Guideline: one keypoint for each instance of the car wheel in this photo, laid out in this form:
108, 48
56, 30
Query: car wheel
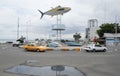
38, 50
93, 50
13, 45
87, 50
26, 49
104, 50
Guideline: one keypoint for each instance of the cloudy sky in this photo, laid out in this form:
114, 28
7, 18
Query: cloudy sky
75, 21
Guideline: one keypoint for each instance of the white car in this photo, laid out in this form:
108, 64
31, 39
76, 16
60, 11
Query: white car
95, 48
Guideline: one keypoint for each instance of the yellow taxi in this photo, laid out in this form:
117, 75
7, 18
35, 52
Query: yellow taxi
34, 47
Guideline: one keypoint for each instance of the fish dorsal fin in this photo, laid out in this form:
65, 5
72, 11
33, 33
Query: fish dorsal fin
58, 6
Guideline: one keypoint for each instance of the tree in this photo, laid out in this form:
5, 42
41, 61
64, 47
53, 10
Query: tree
108, 28
76, 36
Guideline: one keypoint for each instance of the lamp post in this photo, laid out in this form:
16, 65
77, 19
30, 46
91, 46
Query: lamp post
18, 29
116, 33
116, 29
27, 23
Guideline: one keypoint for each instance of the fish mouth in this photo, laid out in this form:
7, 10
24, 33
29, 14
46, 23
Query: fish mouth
68, 8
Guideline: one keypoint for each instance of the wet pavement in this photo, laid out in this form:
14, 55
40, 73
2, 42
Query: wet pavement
90, 64
56, 70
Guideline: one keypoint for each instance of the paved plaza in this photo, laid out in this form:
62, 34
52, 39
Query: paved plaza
91, 64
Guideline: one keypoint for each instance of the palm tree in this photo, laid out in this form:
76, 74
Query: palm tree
77, 36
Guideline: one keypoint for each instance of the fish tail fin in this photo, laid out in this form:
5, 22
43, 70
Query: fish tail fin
41, 14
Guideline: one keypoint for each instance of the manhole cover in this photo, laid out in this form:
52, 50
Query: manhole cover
56, 70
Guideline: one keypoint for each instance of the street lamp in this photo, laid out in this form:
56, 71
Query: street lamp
27, 23
18, 29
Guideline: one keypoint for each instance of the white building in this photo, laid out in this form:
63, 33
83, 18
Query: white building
91, 31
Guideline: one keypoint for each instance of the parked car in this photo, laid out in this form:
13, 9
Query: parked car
53, 44
62, 46
16, 44
95, 48
72, 44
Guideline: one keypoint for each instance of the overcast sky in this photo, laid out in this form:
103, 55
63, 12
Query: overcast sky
75, 21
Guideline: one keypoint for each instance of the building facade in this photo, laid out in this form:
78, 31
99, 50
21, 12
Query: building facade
91, 30
111, 38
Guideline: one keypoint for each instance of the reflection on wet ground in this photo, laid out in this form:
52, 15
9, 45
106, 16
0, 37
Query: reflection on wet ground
56, 70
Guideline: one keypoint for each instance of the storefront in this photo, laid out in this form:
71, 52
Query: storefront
111, 39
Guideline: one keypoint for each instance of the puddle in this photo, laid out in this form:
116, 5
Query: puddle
56, 70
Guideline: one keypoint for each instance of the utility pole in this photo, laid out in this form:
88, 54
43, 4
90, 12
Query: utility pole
27, 23
115, 24
18, 29
116, 33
